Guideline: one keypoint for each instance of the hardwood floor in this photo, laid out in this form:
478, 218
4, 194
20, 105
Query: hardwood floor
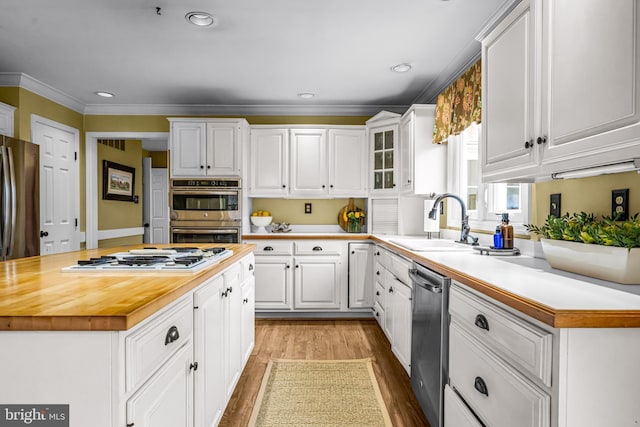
325, 339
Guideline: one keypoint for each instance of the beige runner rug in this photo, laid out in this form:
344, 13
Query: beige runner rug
304, 393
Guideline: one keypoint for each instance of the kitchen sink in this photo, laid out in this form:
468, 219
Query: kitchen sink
431, 245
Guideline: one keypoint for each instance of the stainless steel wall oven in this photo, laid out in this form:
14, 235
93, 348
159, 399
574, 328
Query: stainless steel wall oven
206, 210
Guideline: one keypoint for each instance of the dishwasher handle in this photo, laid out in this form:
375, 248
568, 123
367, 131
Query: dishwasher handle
413, 273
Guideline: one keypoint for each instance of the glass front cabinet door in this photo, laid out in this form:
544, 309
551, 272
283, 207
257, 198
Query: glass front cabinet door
384, 170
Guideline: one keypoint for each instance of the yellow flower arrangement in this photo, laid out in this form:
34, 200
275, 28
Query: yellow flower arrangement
354, 220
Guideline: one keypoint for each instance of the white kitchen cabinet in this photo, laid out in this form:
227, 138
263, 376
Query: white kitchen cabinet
361, 283
316, 162
317, 282
6, 119
210, 147
269, 162
399, 307
383, 145
509, 77
457, 413
210, 386
301, 275
247, 325
560, 89
348, 162
231, 327
308, 167
165, 400
422, 163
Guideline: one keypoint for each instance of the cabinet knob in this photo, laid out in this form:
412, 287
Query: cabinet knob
201, 166
353, 252
284, 186
528, 144
480, 386
297, 266
208, 167
250, 267
287, 266
172, 335
324, 186
481, 322
378, 293
541, 140
391, 290
246, 300
193, 366
377, 273
378, 253
331, 186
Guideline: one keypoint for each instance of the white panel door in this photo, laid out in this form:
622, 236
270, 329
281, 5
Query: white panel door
223, 157
317, 282
58, 186
348, 162
159, 206
269, 162
273, 283
309, 163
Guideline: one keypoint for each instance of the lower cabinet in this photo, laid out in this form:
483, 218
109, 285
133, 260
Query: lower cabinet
247, 324
392, 302
457, 413
361, 283
305, 275
165, 400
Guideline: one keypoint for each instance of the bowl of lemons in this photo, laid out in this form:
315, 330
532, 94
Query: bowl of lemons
261, 218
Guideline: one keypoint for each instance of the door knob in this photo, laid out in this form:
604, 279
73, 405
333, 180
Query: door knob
44, 233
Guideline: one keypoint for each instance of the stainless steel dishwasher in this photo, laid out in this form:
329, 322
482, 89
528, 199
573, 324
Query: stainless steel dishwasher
430, 340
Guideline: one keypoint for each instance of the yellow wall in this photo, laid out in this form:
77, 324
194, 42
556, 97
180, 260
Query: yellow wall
591, 195
291, 211
120, 241
114, 214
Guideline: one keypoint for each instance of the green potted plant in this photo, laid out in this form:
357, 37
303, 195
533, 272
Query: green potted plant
603, 248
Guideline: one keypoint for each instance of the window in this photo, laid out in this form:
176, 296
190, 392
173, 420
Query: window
485, 202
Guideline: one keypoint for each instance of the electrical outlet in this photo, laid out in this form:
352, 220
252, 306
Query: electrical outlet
620, 204
554, 205
307, 208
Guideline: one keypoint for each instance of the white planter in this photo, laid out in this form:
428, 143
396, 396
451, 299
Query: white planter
611, 263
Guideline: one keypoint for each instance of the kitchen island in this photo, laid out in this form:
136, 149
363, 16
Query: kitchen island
143, 348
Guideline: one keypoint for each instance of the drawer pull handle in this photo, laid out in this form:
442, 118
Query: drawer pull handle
245, 301
250, 267
391, 290
317, 248
268, 248
377, 293
481, 322
193, 366
172, 335
481, 386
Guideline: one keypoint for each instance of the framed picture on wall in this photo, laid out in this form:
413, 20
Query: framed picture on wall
118, 181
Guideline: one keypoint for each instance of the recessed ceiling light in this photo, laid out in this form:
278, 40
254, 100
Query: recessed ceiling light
104, 94
201, 19
306, 95
401, 68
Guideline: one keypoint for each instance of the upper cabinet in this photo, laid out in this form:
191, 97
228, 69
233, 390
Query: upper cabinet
207, 147
308, 165
422, 163
383, 140
268, 162
561, 83
316, 162
6, 119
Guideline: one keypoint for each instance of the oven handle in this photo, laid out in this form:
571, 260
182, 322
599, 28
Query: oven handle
203, 231
205, 192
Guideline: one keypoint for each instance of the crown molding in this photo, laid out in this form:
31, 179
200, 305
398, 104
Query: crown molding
239, 110
504, 9
27, 82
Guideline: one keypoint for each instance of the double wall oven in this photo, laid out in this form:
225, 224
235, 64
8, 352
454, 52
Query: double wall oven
206, 210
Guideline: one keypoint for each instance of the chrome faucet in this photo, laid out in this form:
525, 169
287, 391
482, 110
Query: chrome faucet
464, 228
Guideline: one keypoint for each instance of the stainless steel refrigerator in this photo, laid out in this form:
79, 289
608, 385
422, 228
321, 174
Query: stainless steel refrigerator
19, 198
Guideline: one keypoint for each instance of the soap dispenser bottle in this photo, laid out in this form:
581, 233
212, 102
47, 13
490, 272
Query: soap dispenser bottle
497, 239
507, 232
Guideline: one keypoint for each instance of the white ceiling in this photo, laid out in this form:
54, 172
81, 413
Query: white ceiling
261, 54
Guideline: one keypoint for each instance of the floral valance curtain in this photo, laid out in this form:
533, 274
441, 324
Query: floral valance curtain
459, 105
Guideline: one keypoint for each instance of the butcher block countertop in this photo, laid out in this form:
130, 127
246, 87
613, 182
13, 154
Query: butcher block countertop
35, 294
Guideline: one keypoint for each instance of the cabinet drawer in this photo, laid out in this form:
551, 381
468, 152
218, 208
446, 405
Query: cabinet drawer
273, 248
378, 272
382, 256
311, 247
149, 347
497, 393
248, 265
519, 342
456, 413
400, 268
